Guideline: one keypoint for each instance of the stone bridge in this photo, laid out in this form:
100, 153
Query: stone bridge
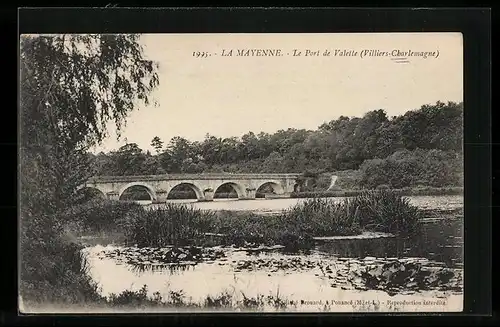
204, 185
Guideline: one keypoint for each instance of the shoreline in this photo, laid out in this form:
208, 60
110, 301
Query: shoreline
282, 290
373, 302
427, 191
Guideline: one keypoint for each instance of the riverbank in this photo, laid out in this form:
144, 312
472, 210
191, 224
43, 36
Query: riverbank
241, 279
421, 191
293, 230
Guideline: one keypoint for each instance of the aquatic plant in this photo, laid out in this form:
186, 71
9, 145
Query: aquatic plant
179, 224
385, 211
323, 217
172, 224
223, 300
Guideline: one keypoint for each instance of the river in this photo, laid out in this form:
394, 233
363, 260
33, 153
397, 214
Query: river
274, 205
329, 278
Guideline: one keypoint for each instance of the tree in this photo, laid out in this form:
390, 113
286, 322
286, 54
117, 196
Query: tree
273, 163
72, 86
180, 153
129, 159
157, 144
211, 149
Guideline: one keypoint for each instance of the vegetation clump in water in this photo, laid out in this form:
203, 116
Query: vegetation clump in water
180, 225
173, 224
165, 255
385, 211
400, 276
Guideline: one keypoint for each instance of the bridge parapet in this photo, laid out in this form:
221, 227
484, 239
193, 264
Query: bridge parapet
210, 176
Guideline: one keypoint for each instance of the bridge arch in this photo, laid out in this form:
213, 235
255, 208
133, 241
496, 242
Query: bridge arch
238, 188
270, 187
198, 192
148, 188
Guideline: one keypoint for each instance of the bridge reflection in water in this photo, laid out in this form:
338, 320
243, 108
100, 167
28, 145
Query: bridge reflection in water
204, 186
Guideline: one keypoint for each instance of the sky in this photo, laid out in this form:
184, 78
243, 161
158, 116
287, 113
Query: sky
229, 96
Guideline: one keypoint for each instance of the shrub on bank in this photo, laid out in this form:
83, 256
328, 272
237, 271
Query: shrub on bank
60, 277
405, 168
406, 191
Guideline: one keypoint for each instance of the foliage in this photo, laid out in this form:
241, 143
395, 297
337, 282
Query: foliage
404, 168
72, 86
60, 270
75, 84
157, 144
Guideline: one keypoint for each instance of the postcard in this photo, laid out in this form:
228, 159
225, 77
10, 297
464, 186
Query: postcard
241, 172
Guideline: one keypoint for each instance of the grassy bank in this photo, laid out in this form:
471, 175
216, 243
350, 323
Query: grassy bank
133, 301
417, 191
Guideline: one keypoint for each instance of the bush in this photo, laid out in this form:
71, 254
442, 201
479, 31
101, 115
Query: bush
60, 276
424, 168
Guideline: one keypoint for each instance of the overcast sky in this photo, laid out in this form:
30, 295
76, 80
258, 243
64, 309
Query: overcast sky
229, 96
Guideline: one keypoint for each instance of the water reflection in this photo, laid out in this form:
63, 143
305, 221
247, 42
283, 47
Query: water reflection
383, 268
438, 241
174, 268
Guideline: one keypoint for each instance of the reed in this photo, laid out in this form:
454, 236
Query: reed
386, 211
172, 224
180, 224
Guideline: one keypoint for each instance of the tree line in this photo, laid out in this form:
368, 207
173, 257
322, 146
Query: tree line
429, 137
